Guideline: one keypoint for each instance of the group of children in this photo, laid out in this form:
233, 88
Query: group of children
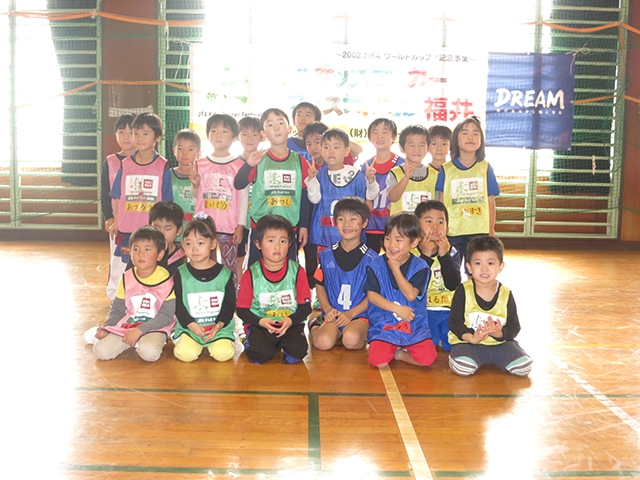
269, 204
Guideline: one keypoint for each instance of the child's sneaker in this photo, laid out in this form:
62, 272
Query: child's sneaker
315, 322
90, 336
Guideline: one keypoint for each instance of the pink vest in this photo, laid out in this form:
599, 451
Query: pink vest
216, 196
142, 303
140, 189
113, 165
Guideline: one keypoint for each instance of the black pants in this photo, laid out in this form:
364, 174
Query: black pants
261, 346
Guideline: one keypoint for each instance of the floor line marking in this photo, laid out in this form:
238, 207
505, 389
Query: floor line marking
598, 395
416, 456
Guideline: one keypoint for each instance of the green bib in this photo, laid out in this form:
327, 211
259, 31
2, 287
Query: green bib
274, 300
183, 196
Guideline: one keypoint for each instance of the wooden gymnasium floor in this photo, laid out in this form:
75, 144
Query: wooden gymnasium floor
67, 415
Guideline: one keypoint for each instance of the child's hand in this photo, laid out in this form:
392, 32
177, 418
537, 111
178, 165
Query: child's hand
285, 324
132, 337
370, 172
303, 237
394, 265
343, 319
113, 228
405, 313
212, 333
409, 170
493, 327
101, 333
441, 241
237, 234
331, 316
194, 176
108, 224
196, 328
269, 325
313, 170
255, 157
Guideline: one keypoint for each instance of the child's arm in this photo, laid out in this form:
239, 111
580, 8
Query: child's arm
313, 189
510, 330
330, 313
115, 193
440, 186
408, 290
355, 148
344, 318
243, 177
396, 191
405, 313
242, 216
456, 318
227, 310
167, 185
450, 270
492, 215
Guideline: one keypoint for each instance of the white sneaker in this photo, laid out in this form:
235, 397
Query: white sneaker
90, 336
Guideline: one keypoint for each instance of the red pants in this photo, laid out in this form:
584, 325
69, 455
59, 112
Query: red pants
381, 353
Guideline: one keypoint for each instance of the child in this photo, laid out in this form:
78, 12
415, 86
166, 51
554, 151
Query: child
213, 178
110, 167
205, 297
340, 278
274, 297
278, 182
413, 182
251, 135
468, 187
440, 142
143, 179
303, 114
444, 262
396, 286
328, 185
168, 218
484, 322
186, 148
382, 133
142, 311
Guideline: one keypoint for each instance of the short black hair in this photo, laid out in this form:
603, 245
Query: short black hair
151, 120
352, 205
440, 131
407, 225
317, 114
224, 119
125, 120
203, 225
272, 222
413, 130
187, 134
250, 123
455, 148
336, 133
485, 243
276, 111
390, 124
314, 128
150, 234
169, 211
424, 207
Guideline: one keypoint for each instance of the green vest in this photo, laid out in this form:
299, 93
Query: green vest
415, 192
203, 301
277, 189
274, 300
474, 315
467, 199
183, 196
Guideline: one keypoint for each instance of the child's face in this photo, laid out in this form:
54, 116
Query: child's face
439, 149
250, 139
382, 138
169, 229
274, 246
484, 267
145, 256
415, 149
276, 129
186, 152
221, 137
334, 152
198, 248
469, 138
398, 247
145, 138
314, 146
350, 225
124, 137
434, 223
303, 117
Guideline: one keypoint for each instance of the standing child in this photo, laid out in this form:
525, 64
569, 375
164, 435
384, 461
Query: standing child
396, 287
484, 319
124, 137
251, 135
303, 114
213, 179
382, 134
444, 262
340, 280
274, 297
468, 187
439, 145
143, 179
186, 148
142, 311
413, 182
328, 185
205, 297
278, 177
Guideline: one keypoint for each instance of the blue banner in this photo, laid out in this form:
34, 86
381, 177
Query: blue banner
530, 100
